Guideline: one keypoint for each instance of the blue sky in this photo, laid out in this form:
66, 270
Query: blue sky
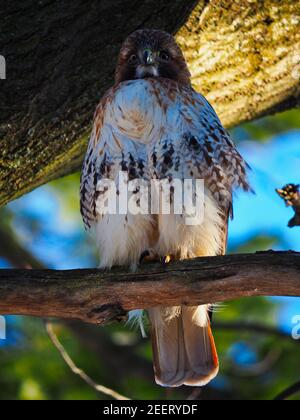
274, 164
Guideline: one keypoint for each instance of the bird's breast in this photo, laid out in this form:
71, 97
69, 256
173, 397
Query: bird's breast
141, 109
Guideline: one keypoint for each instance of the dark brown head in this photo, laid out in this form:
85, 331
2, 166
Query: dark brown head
151, 53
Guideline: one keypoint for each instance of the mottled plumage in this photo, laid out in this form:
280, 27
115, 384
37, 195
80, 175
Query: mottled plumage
153, 125
291, 196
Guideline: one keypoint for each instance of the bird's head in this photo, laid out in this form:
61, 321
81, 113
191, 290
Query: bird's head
151, 53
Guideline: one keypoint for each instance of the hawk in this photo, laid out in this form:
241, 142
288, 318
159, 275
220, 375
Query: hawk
153, 125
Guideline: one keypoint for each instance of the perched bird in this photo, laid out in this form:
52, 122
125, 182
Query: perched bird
291, 196
153, 125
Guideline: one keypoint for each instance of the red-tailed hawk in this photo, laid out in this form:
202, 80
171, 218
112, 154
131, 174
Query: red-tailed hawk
152, 125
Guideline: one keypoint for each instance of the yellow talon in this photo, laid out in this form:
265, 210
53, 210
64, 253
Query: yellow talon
167, 259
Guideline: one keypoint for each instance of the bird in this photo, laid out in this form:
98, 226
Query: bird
290, 193
152, 125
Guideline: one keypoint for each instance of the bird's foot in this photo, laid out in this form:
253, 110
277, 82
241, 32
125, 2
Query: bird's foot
149, 255
167, 259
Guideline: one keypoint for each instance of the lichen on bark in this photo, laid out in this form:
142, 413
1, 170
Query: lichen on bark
244, 56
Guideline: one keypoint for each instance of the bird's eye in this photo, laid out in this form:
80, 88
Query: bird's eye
133, 58
164, 56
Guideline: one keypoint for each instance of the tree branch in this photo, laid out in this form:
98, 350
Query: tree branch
70, 363
254, 328
242, 55
289, 392
98, 297
14, 252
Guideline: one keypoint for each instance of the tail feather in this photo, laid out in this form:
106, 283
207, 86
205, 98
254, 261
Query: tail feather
184, 351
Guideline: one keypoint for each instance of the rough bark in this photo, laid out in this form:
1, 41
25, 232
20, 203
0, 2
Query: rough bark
61, 55
97, 297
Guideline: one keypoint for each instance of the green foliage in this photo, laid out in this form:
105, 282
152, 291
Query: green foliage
33, 369
256, 243
263, 129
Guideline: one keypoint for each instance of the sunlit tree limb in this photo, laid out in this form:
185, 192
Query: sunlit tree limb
99, 297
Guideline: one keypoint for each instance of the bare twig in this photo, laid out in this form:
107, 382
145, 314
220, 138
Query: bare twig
66, 357
259, 368
20, 257
289, 392
195, 394
253, 327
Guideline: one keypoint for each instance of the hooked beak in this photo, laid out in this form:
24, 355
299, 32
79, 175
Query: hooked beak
148, 58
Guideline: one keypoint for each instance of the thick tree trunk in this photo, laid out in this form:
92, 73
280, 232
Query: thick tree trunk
60, 55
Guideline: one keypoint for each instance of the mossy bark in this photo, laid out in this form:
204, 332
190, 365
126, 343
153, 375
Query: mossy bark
60, 56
